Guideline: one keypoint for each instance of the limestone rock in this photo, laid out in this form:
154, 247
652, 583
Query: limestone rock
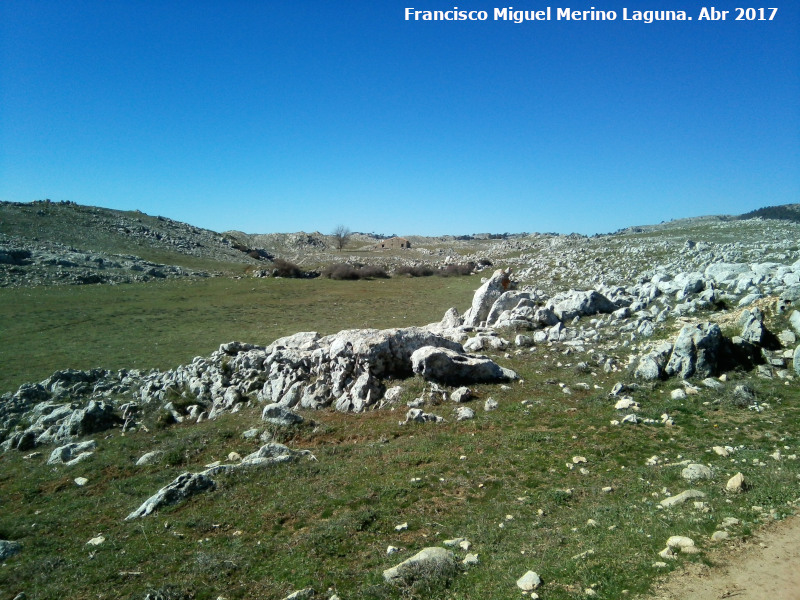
696, 352
529, 582
464, 413
796, 360
696, 471
449, 367
432, 562
485, 297
417, 415
182, 487
9, 549
681, 498
149, 458
461, 394
569, 305
735, 484
278, 415
65, 454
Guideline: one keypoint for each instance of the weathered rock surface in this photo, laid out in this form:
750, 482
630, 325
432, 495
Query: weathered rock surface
432, 562
446, 366
69, 452
486, 296
696, 352
182, 487
9, 549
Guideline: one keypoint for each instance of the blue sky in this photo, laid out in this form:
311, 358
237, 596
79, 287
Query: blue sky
277, 116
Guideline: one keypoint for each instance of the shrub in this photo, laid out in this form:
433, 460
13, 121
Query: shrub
343, 271
284, 268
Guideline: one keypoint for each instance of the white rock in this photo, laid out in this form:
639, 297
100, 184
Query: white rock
81, 481
696, 471
735, 484
529, 582
681, 498
96, 541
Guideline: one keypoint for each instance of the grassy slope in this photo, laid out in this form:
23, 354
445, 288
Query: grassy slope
76, 226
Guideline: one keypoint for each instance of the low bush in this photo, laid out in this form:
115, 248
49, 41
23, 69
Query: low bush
343, 271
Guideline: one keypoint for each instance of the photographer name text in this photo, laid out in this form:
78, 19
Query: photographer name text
549, 13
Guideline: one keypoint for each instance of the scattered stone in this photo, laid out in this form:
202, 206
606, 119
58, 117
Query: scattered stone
696, 471
81, 481
470, 560
449, 367
719, 536
68, 453
462, 394
304, 594
720, 451
678, 394
417, 415
681, 498
490, 404
9, 549
529, 582
392, 550
429, 563
696, 351
736, 484
149, 458
96, 541
464, 413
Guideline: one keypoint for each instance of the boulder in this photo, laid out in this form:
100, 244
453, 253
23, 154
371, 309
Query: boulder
9, 549
68, 452
696, 471
273, 453
428, 563
697, 351
794, 320
445, 366
486, 296
651, 365
796, 360
569, 305
180, 489
278, 415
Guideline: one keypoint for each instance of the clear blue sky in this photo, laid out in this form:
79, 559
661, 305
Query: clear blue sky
277, 116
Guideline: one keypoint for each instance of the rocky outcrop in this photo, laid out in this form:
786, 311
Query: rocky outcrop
486, 296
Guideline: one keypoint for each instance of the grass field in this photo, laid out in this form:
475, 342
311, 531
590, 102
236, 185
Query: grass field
164, 324
506, 481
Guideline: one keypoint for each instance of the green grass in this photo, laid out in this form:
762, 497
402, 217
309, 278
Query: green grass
164, 324
326, 523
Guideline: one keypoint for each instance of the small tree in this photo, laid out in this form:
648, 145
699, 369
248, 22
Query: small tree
341, 235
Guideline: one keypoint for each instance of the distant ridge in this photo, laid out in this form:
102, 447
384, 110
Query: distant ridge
784, 212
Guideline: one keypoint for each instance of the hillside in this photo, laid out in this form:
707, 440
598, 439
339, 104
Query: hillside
63, 242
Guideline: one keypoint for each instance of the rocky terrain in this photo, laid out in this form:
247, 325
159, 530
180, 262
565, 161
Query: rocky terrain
701, 308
